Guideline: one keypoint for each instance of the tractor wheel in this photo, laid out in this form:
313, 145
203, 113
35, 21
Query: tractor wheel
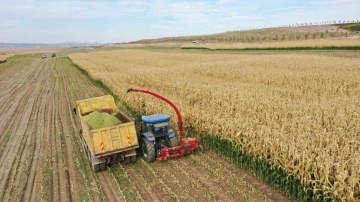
148, 150
174, 142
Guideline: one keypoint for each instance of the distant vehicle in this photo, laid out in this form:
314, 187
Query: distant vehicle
196, 41
44, 56
53, 55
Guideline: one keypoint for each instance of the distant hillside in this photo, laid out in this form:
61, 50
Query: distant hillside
40, 45
267, 34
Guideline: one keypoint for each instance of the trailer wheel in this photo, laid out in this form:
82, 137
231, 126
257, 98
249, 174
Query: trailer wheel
127, 160
103, 166
133, 159
148, 150
96, 168
174, 142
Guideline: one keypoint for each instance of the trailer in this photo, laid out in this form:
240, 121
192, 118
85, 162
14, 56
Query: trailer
106, 145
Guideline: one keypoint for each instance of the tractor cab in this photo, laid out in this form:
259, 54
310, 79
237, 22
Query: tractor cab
156, 124
156, 134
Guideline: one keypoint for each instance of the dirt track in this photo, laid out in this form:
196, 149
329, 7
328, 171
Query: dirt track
42, 158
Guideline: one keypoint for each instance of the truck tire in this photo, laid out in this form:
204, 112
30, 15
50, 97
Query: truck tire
96, 168
133, 159
148, 150
103, 166
174, 142
127, 160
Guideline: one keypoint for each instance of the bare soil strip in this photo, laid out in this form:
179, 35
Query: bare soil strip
42, 157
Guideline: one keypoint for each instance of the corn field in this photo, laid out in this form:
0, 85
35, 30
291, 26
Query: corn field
298, 112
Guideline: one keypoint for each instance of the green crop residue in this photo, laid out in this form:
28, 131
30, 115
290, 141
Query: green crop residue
97, 120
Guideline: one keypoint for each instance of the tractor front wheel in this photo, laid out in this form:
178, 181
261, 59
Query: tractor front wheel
148, 150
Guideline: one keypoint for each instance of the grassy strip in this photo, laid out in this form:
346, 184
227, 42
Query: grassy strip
2, 61
276, 177
277, 48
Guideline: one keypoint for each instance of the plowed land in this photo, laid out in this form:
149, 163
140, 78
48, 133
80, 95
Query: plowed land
42, 159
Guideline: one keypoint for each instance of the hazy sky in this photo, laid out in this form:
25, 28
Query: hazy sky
51, 21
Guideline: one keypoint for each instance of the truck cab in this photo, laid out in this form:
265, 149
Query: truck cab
156, 134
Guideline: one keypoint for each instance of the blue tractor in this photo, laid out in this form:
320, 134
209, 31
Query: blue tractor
157, 140
155, 135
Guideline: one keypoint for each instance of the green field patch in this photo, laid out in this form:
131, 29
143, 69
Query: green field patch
350, 26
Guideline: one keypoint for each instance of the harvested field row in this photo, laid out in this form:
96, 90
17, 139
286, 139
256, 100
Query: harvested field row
38, 146
43, 158
320, 43
296, 112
